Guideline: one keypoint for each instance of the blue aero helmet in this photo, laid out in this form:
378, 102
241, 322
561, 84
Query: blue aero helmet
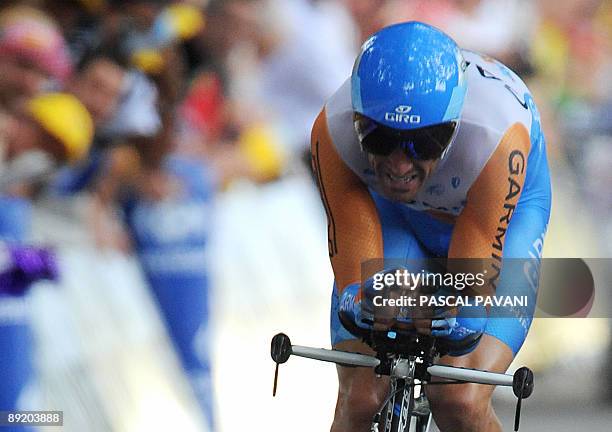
407, 90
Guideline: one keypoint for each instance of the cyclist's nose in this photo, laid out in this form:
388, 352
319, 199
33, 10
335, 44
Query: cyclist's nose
399, 163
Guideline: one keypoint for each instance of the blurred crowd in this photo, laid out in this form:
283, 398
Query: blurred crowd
149, 109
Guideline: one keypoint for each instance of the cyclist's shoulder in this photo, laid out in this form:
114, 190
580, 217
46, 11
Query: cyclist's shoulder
497, 98
339, 113
486, 69
335, 125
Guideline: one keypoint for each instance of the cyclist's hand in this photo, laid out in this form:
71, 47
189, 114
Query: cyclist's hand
364, 307
464, 320
443, 324
417, 317
350, 304
378, 302
463, 329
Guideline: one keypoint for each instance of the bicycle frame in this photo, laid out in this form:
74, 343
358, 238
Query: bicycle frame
403, 371
401, 381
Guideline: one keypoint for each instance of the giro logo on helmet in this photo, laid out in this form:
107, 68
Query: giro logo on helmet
401, 115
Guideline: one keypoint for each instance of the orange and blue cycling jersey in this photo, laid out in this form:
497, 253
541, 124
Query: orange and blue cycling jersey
488, 196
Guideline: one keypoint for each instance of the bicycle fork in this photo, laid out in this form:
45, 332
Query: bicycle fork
398, 409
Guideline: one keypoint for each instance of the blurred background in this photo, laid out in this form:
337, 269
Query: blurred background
158, 221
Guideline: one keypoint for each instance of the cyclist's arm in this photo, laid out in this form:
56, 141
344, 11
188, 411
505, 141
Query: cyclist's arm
481, 227
354, 230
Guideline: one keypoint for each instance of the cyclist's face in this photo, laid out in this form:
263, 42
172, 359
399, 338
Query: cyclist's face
400, 177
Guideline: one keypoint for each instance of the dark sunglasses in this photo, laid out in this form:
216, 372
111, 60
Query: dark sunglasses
427, 143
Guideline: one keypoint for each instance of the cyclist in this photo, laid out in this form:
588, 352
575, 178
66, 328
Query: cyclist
429, 151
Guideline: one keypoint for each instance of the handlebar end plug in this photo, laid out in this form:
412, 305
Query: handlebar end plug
280, 348
522, 383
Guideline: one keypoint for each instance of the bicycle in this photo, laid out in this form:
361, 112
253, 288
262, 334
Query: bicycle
408, 359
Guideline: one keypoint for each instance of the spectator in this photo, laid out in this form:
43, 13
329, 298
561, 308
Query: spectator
170, 219
499, 28
54, 124
47, 130
290, 74
99, 84
33, 54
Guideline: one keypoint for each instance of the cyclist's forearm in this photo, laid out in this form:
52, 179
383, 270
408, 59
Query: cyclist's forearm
354, 229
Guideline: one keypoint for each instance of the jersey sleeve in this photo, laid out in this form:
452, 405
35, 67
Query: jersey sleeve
481, 227
353, 226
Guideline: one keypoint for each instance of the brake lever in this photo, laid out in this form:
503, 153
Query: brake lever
280, 351
522, 386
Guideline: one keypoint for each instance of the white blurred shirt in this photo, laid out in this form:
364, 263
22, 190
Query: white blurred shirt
137, 113
313, 59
